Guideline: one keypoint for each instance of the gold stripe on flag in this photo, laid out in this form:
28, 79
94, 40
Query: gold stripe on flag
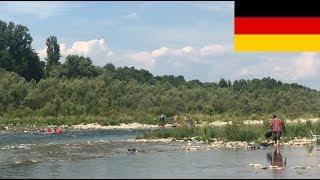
277, 42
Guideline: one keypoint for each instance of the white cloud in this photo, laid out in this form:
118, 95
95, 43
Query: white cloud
42, 53
172, 57
190, 51
244, 71
132, 16
100, 54
219, 6
160, 52
40, 9
209, 61
183, 51
140, 60
96, 49
213, 49
301, 67
305, 66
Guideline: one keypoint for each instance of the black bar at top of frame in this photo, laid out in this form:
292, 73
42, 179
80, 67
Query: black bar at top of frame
280, 8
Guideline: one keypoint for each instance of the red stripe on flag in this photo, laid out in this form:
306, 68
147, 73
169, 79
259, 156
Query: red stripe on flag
277, 25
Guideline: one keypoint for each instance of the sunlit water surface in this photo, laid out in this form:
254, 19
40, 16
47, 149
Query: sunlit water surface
104, 154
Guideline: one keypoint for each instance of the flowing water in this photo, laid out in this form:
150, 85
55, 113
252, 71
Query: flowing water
104, 154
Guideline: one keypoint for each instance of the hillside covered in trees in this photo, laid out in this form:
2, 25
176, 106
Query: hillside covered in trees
32, 88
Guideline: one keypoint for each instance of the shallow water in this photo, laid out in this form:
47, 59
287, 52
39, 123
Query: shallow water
104, 154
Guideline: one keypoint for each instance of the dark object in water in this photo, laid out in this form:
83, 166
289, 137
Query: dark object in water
260, 146
266, 144
132, 151
269, 157
268, 134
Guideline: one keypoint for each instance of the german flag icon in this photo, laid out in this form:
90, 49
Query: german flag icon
270, 26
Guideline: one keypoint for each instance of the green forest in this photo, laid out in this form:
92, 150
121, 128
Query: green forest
76, 91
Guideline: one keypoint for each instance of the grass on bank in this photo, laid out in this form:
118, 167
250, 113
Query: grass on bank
237, 131
230, 132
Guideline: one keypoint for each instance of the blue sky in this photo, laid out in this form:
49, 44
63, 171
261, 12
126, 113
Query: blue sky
191, 38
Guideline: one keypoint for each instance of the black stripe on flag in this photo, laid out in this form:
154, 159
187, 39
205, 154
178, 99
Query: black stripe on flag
280, 8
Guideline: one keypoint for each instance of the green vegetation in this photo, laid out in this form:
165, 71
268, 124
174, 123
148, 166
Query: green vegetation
16, 53
76, 91
53, 53
132, 101
231, 132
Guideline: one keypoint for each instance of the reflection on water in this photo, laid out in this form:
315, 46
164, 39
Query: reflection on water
310, 148
276, 161
105, 154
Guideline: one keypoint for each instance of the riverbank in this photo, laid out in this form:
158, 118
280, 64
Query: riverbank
148, 126
135, 125
193, 143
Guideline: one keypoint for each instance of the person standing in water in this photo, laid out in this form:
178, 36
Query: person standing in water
162, 120
175, 121
276, 125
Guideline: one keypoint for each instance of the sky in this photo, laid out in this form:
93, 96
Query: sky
189, 38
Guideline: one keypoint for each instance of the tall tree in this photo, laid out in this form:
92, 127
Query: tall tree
53, 53
16, 53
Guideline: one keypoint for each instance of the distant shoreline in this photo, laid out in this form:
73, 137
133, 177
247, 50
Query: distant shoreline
147, 126
135, 125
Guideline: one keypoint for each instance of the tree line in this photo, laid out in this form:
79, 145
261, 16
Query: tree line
30, 87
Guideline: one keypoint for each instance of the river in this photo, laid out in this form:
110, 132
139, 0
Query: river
100, 154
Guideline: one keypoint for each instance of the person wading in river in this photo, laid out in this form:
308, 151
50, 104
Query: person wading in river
162, 120
277, 126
